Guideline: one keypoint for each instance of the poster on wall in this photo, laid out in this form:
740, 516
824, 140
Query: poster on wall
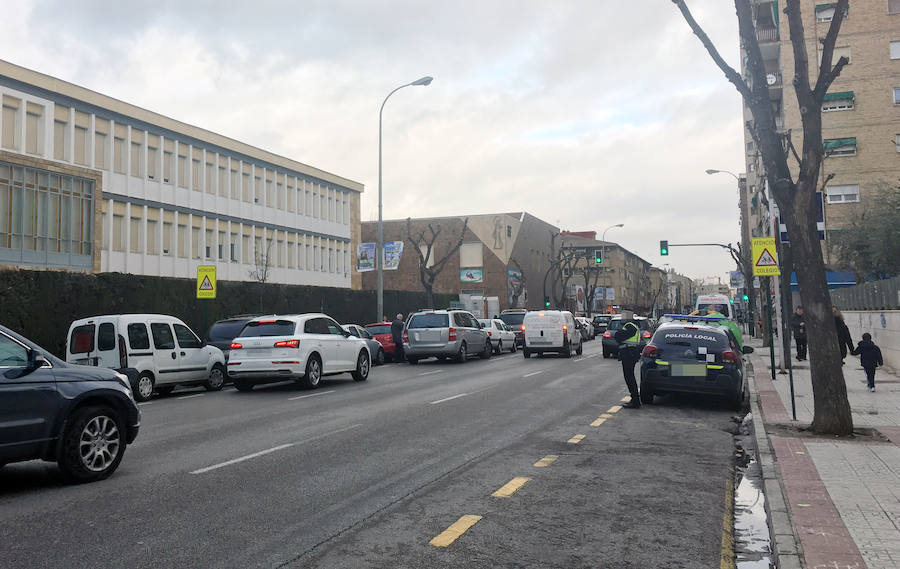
471, 275
610, 293
579, 298
392, 252
515, 288
365, 257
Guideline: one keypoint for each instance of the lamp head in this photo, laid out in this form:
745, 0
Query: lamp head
712, 171
423, 81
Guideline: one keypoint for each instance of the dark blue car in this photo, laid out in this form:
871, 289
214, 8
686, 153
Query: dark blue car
77, 416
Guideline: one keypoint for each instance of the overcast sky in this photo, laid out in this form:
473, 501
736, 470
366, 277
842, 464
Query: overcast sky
585, 114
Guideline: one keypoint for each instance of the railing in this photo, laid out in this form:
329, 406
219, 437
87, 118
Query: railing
875, 295
767, 34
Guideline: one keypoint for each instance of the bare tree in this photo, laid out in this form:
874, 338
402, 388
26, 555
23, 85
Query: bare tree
796, 196
428, 274
262, 264
563, 268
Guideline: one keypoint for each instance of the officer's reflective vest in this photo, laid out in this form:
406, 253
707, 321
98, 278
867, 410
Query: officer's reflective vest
636, 338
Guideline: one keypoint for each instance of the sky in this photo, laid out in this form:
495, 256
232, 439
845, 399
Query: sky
585, 114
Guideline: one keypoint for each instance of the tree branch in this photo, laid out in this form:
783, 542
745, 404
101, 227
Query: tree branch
827, 74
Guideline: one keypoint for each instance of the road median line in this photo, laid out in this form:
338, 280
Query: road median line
576, 439
614, 409
430, 372
532, 373
511, 487
599, 421
448, 399
546, 461
310, 395
455, 531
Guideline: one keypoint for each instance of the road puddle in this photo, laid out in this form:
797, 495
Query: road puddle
752, 545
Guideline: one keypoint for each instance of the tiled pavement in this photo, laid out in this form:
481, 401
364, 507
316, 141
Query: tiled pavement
842, 497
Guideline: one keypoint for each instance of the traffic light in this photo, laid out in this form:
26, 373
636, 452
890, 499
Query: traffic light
546, 302
745, 298
663, 247
598, 256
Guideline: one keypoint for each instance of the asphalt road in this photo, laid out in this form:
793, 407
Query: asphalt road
368, 474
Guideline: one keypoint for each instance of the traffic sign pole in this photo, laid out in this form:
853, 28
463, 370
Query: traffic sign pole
769, 325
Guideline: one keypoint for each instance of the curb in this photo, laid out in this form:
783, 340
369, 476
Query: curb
784, 538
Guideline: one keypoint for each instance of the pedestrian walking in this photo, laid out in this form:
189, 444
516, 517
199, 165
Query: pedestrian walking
870, 358
397, 336
798, 325
629, 339
845, 342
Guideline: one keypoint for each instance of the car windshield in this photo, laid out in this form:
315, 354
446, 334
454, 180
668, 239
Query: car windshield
689, 343
226, 330
513, 319
429, 321
268, 328
379, 329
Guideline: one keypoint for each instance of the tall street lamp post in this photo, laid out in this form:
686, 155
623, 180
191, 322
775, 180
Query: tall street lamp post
603, 238
379, 249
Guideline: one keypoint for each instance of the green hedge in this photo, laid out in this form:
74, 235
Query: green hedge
41, 305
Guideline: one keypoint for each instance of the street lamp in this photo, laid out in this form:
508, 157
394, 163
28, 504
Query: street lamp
733, 175
379, 250
603, 238
600, 269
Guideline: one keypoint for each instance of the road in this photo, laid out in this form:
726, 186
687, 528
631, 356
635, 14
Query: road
368, 474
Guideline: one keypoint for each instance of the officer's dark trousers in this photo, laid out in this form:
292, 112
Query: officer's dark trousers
629, 356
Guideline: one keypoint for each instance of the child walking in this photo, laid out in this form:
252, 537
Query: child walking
870, 358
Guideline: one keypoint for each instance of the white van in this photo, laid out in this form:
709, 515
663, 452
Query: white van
704, 301
154, 350
551, 331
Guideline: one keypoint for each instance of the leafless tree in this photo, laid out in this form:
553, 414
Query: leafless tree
796, 195
427, 275
262, 265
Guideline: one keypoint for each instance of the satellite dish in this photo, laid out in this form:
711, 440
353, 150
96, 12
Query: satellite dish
771, 79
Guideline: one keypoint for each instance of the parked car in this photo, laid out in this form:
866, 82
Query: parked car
175, 356
375, 346
222, 332
444, 334
600, 323
694, 358
502, 337
551, 331
587, 328
301, 347
610, 346
80, 417
513, 318
381, 331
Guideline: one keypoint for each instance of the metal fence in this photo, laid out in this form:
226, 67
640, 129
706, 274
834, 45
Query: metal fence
875, 295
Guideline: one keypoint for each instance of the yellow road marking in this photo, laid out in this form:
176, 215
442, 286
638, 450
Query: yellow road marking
510, 487
606, 415
727, 557
616, 408
626, 399
455, 531
546, 461
598, 422
576, 439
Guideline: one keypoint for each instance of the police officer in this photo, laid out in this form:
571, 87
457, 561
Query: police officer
629, 340
397, 337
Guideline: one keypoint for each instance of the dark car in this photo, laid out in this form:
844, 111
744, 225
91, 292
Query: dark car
81, 417
513, 317
601, 322
693, 358
223, 332
610, 346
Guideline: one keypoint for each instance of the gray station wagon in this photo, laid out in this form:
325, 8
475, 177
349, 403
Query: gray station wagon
444, 334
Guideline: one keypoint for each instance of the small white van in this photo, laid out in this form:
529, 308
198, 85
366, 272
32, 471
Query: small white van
155, 351
551, 331
705, 301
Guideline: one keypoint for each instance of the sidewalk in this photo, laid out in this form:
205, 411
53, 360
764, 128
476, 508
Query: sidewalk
833, 504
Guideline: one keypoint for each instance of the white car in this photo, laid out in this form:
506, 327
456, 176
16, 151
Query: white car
301, 347
501, 335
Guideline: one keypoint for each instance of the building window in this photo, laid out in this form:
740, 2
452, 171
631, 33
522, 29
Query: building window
221, 246
34, 129
232, 248
118, 230
895, 50
843, 101
10, 136
897, 95
59, 139
119, 149
151, 237
470, 255
825, 12
195, 175
245, 247
136, 155
893, 6
152, 156
101, 131
245, 187
168, 161
235, 185
842, 194
135, 228
195, 242
210, 181
182, 167
897, 141
167, 239
223, 180
182, 241
840, 147
209, 243
81, 143
258, 190
270, 193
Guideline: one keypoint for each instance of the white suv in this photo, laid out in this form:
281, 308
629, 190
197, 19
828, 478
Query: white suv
302, 347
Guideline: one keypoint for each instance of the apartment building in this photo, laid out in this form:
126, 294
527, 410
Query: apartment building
91, 183
860, 115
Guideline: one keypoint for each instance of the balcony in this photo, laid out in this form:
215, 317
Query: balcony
765, 34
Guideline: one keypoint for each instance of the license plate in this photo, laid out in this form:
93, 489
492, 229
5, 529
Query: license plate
689, 370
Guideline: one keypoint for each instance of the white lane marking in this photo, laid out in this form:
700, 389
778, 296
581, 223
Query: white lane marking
271, 450
532, 373
577, 359
147, 403
189, 396
430, 372
448, 398
310, 395
591, 356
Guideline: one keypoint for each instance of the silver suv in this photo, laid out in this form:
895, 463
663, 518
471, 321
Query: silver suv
444, 334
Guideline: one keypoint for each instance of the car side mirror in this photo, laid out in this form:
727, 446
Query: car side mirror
346, 333
747, 349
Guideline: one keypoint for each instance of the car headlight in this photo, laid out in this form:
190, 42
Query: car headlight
124, 379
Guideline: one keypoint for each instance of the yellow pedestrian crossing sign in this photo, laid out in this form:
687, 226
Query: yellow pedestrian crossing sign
206, 281
765, 257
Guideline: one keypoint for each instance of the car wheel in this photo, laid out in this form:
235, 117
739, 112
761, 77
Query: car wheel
143, 390
462, 355
526, 353
92, 444
499, 347
165, 389
379, 357
216, 379
242, 385
646, 396
361, 373
487, 351
580, 349
514, 347
605, 354
566, 351
313, 375
737, 401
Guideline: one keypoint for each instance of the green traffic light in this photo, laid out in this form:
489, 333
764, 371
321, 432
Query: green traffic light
663, 247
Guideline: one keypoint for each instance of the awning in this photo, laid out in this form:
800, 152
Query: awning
823, 7
836, 279
775, 13
841, 95
833, 143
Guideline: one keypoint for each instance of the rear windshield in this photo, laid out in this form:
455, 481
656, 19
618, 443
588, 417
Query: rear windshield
684, 343
268, 328
379, 329
429, 321
617, 324
82, 340
513, 319
227, 330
